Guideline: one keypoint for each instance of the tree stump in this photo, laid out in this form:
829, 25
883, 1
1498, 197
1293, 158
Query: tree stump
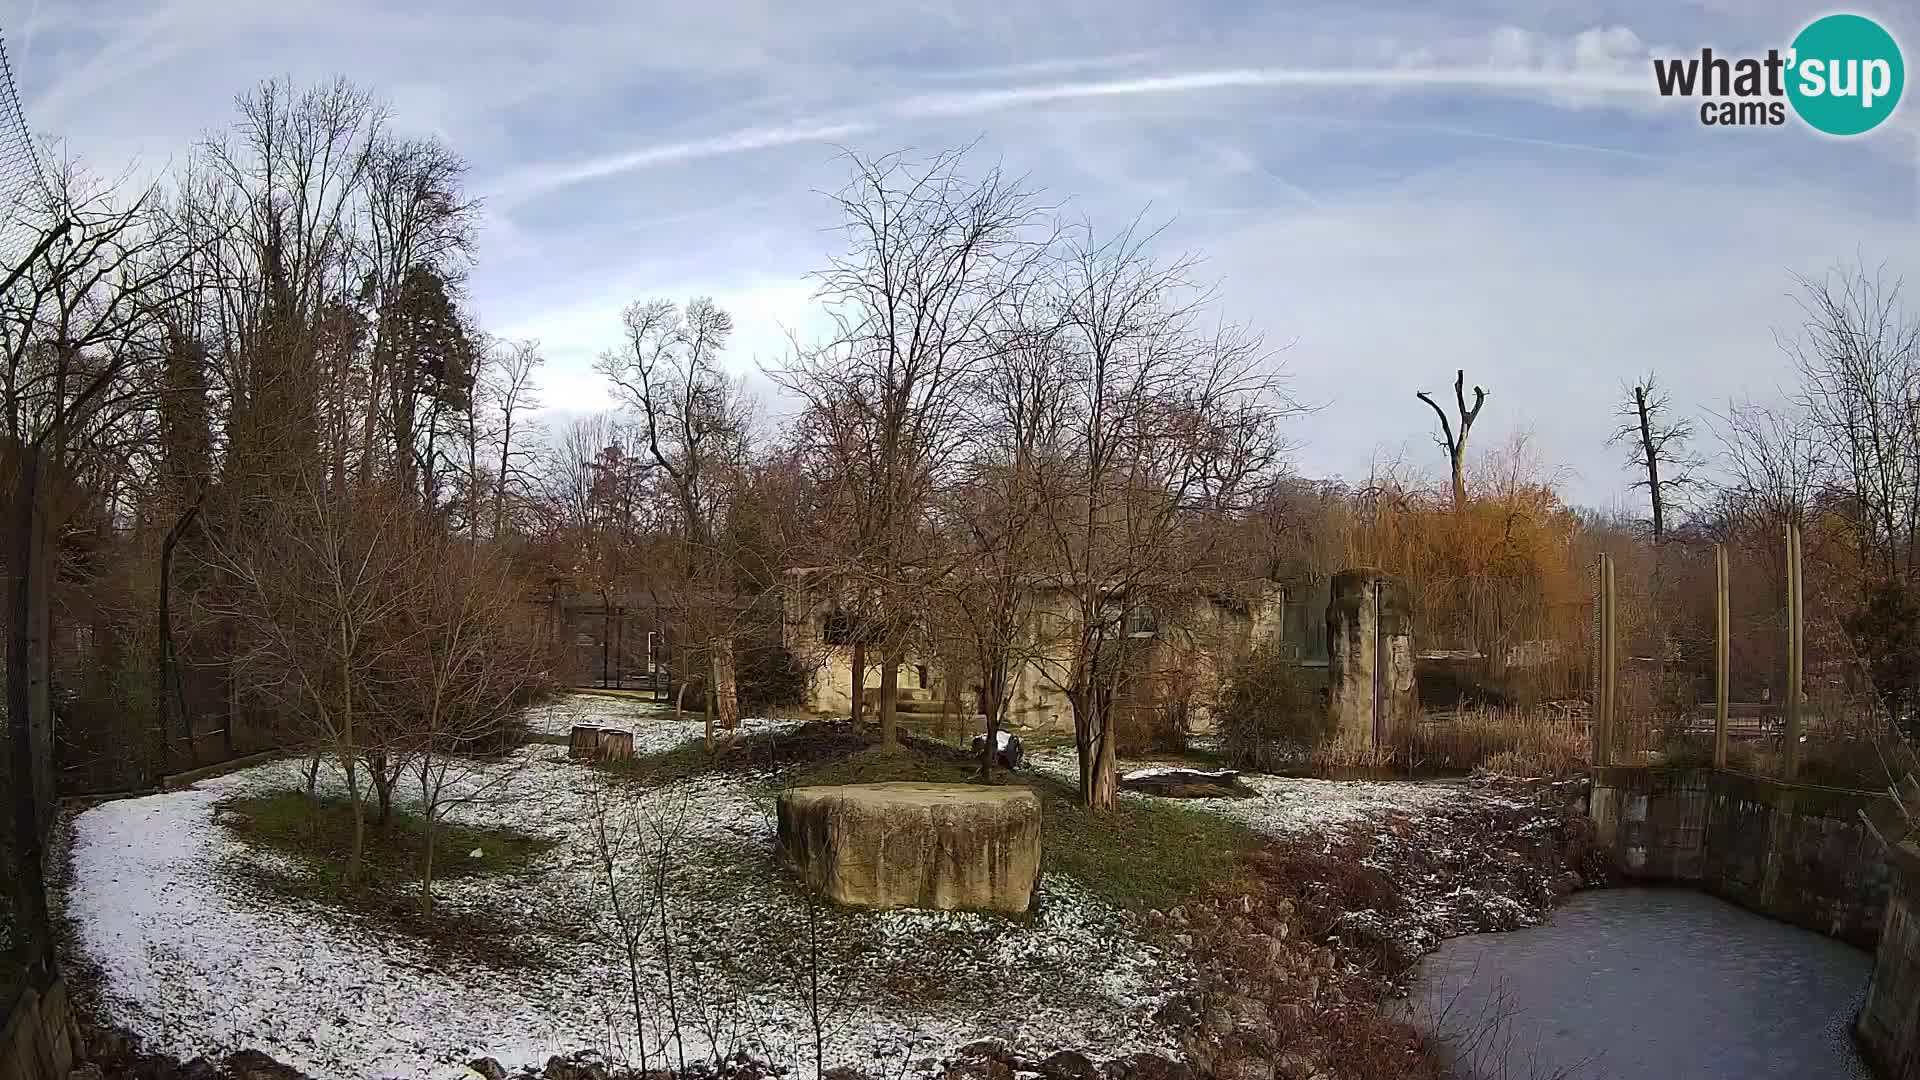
616, 745
583, 741
945, 846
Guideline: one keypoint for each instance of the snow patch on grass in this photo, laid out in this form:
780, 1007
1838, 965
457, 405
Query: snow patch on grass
198, 958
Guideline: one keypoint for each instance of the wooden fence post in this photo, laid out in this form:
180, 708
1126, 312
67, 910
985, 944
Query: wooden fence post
1606, 664
1721, 655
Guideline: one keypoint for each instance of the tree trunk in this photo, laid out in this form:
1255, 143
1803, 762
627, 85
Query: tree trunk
859, 680
1652, 454
726, 692
1093, 736
990, 705
889, 693
426, 869
1106, 782
382, 786
949, 703
352, 872
173, 697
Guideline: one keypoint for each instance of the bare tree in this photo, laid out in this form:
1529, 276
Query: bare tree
77, 326
994, 511
463, 674
1858, 355
509, 392
1456, 445
1657, 447
321, 577
694, 426
1168, 426
931, 255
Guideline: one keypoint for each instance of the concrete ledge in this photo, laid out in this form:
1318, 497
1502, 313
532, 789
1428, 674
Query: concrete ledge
1795, 852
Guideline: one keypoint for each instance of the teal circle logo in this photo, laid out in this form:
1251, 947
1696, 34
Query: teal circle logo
1845, 74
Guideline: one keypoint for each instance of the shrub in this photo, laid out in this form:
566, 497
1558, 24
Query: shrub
1269, 713
1508, 742
1156, 718
771, 677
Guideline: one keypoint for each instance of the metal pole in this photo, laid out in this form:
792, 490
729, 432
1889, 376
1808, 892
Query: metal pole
1721, 656
1796, 646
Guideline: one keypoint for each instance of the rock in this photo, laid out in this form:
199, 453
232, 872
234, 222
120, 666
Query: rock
1007, 751
986, 1049
559, 1068
488, 1068
86, 1070
112, 1046
254, 1065
978, 1069
1145, 1066
1068, 1065
1189, 784
947, 846
476, 853
1248, 1014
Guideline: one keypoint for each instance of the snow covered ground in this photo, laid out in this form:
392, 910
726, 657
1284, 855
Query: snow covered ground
653, 726
1287, 806
197, 956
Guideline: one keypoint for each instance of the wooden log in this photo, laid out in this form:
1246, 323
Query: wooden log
583, 741
616, 745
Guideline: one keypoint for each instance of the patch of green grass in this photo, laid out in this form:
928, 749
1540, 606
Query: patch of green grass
320, 835
1138, 855
880, 765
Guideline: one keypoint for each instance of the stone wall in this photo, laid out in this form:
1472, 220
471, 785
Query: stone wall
39, 1038
1796, 852
1888, 1027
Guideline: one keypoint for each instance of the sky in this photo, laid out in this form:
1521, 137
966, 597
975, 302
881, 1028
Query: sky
1387, 191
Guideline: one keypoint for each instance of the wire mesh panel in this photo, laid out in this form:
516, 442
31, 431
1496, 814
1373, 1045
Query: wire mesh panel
23, 186
25, 938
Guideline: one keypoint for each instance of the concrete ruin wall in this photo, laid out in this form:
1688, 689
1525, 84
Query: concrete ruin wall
1357, 645
1795, 852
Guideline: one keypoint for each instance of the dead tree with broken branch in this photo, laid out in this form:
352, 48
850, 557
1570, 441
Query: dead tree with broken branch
1456, 445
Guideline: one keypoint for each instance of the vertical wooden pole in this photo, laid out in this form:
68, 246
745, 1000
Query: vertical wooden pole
1796, 644
1605, 664
1721, 655
1613, 663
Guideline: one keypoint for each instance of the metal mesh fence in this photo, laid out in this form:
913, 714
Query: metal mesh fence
24, 932
23, 182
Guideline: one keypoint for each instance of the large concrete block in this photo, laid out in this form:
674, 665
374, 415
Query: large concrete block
951, 846
1371, 691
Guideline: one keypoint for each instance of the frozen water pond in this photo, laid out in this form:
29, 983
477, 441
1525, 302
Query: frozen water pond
1626, 984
